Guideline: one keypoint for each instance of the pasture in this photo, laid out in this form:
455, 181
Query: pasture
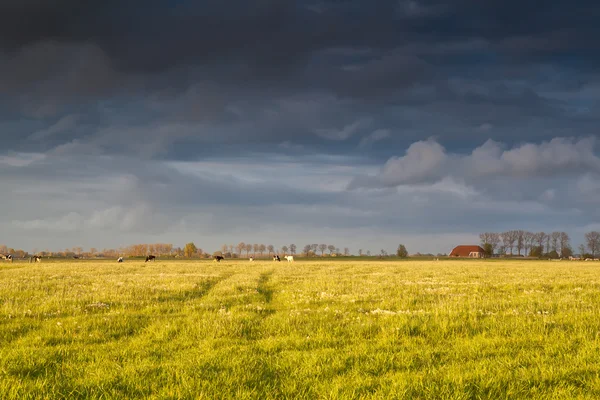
303, 330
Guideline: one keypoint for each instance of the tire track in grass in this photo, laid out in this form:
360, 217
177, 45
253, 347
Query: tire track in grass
200, 290
252, 327
169, 325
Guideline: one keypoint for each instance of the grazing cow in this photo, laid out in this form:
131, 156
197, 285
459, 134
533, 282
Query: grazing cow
76, 257
150, 258
218, 258
276, 258
35, 259
120, 259
7, 257
251, 259
289, 258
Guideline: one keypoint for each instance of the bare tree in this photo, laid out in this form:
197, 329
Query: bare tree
314, 247
240, 247
593, 242
255, 247
284, 249
490, 238
292, 248
554, 239
346, 251
224, 249
307, 249
540, 239
271, 249
528, 239
360, 253
494, 240
520, 238
565, 243
507, 240
248, 249
261, 249
322, 248
331, 249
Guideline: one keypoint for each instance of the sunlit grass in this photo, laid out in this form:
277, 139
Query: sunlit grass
331, 330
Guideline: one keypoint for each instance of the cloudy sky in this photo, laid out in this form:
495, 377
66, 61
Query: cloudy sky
356, 123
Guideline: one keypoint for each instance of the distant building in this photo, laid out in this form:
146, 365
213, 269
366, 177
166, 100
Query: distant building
468, 251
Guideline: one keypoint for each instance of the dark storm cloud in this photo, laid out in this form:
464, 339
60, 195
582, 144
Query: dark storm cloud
221, 116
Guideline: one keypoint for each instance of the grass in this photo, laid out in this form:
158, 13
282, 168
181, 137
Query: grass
309, 330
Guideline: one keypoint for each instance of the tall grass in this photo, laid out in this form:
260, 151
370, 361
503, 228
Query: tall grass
307, 330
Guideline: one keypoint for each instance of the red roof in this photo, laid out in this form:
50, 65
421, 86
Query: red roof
465, 250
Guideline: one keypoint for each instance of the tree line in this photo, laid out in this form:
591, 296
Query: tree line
538, 244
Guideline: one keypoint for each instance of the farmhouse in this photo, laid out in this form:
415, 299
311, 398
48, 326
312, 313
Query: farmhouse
468, 251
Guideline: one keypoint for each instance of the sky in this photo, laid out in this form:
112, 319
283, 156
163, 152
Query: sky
362, 124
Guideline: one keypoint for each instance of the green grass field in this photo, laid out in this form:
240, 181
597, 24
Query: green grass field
307, 330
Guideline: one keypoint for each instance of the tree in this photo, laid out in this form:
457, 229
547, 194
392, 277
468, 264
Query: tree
261, 249
270, 249
536, 251
488, 249
593, 242
322, 248
314, 247
241, 246
284, 249
368, 253
581, 250
360, 252
520, 237
255, 247
346, 251
540, 238
507, 240
566, 252
331, 249
528, 240
401, 251
553, 254
224, 249
307, 249
189, 249
565, 245
248, 249
292, 248
554, 239
484, 238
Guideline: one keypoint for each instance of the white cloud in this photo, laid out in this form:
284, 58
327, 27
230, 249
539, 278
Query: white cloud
427, 162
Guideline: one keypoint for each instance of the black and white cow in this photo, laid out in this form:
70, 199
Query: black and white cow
35, 259
7, 257
150, 258
120, 259
218, 258
276, 258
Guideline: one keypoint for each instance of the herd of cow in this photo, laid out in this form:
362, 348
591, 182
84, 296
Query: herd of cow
9, 258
